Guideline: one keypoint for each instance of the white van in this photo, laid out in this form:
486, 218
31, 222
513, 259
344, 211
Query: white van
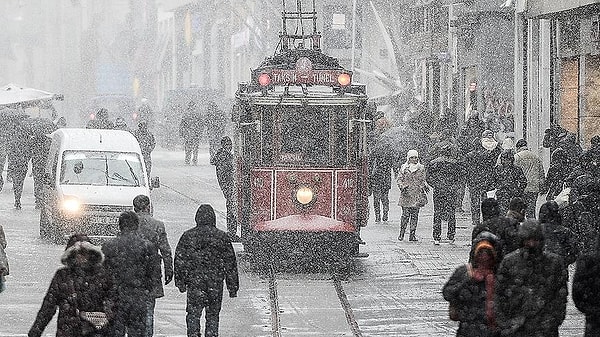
91, 176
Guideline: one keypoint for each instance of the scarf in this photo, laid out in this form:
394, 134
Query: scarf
485, 273
489, 143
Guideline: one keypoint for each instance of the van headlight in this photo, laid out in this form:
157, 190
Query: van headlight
71, 206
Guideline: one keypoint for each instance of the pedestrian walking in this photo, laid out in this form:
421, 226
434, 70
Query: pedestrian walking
442, 175
147, 144
470, 290
557, 238
413, 193
132, 260
380, 183
80, 289
4, 266
101, 121
532, 167
479, 169
586, 290
223, 161
154, 231
559, 170
204, 258
509, 180
40, 147
121, 124
531, 292
19, 155
190, 129
510, 234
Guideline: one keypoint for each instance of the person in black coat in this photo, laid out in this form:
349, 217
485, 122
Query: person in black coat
380, 183
19, 155
132, 260
586, 290
531, 292
223, 161
557, 238
443, 174
509, 180
147, 144
190, 130
470, 289
479, 166
83, 284
204, 258
558, 172
101, 121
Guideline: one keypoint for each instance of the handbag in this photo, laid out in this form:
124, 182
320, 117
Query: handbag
562, 198
96, 318
422, 201
452, 312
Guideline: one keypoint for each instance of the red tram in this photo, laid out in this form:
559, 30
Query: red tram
301, 129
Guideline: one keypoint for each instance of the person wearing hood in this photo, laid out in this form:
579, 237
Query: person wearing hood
134, 263
443, 174
532, 167
470, 289
100, 121
413, 189
531, 292
558, 239
586, 289
82, 285
479, 166
204, 258
509, 180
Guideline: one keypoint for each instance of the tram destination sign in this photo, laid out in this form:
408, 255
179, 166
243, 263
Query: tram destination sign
315, 77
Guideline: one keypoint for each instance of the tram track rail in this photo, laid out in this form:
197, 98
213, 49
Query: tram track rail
276, 326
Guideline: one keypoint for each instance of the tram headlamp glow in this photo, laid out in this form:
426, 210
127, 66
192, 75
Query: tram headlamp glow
264, 79
71, 205
344, 79
304, 195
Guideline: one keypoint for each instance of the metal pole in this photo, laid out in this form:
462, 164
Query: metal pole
353, 34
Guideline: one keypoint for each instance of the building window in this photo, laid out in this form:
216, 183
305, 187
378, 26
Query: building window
569, 37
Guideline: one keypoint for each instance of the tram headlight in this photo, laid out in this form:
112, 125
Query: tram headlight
304, 195
344, 79
264, 79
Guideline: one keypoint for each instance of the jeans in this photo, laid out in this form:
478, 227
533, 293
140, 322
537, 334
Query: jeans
207, 301
381, 197
477, 196
150, 304
443, 209
131, 316
191, 150
530, 199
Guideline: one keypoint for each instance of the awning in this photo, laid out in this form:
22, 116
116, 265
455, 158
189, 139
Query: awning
543, 8
12, 94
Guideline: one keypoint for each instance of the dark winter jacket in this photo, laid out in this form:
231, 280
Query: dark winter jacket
443, 175
531, 294
560, 241
586, 291
191, 126
146, 140
204, 257
559, 170
154, 231
132, 260
223, 161
510, 182
467, 295
85, 287
380, 172
479, 167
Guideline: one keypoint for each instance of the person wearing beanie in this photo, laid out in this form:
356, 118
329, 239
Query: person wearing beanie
471, 289
533, 168
132, 260
509, 181
558, 239
154, 231
413, 193
204, 259
531, 292
82, 283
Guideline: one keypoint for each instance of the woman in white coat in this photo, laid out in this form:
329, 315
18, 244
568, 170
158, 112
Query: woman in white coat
413, 189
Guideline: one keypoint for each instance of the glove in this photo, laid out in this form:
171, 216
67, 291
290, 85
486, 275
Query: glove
168, 276
233, 294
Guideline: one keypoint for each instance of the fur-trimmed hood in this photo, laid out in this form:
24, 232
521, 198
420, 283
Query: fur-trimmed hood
95, 255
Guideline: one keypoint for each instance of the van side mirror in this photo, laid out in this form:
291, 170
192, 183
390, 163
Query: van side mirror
155, 182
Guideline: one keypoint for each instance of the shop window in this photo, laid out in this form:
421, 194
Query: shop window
590, 124
569, 92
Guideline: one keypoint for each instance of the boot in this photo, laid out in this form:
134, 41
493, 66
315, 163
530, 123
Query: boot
385, 216
377, 215
403, 223
413, 236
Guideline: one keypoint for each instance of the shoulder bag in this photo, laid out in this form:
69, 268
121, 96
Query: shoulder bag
98, 319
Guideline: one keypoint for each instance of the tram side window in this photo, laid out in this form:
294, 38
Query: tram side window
304, 136
340, 137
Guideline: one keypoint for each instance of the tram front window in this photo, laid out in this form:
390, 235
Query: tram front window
304, 136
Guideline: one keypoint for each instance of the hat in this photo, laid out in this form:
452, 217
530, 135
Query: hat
507, 144
78, 237
487, 134
412, 153
521, 143
205, 215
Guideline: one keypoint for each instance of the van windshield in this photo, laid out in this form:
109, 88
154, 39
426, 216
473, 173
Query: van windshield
101, 168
